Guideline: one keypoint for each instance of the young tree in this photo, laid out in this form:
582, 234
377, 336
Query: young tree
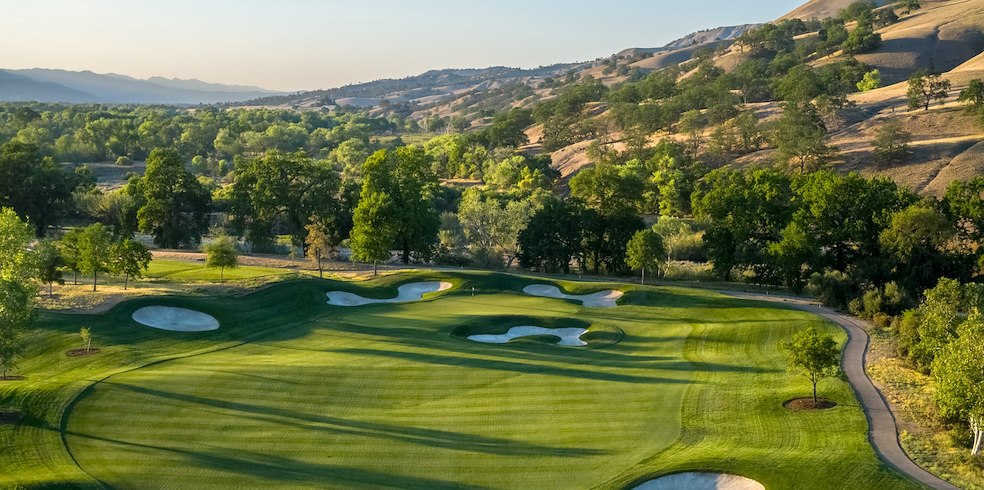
221, 253
176, 206
49, 263
892, 141
645, 250
129, 258
974, 93
320, 245
960, 379
814, 354
86, 336
68, 246
94, 247
925, 87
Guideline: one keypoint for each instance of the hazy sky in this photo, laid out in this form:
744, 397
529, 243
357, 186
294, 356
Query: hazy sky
307, 44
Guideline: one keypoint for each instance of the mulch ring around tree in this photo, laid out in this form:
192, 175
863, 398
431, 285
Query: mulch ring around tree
800, 404
82, 352
11, 377
8, 416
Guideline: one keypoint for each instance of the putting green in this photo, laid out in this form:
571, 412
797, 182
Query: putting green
295, 393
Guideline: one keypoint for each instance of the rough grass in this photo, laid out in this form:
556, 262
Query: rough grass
943, 450
292, 392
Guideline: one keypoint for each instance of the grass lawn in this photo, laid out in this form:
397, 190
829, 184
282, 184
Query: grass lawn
292, 392
182, 270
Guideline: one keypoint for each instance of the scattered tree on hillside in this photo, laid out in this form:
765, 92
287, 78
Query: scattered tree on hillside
906, 7
892, 142
129, 258
814, 354
863, 39
645, 251
49, 263
94, 248
221, 253
960, 379
801, 139
974, 93
925, 87
176, 205
871, 81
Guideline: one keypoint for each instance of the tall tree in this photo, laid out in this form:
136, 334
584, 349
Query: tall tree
960, 379
552, 238
924, 87
815, 354
373, 232
801, 139
94, 247
49, 263
176, 206
645, 251
129, 258
283, 191
17, 287
33, 185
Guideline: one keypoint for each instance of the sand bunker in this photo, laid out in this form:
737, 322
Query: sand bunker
568, 336
601, 299
413, 291
701, 481
175, 319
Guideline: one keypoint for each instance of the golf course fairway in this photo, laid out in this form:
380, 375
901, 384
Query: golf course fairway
294, 393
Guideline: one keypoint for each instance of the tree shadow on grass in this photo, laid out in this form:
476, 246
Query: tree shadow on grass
283, 470
414, 435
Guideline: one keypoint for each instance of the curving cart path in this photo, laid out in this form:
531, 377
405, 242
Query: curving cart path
882, 431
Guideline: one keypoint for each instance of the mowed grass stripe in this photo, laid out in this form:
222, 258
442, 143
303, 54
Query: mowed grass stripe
383, 396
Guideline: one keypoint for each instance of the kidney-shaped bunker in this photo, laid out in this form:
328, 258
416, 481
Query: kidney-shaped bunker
175, 319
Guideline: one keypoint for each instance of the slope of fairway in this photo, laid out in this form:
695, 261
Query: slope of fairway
296, 393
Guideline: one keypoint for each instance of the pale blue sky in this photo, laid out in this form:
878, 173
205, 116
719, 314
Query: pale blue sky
307, 44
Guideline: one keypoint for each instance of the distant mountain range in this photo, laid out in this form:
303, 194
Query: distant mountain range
43, 85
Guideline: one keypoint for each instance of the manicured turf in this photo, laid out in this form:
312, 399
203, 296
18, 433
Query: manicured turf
182, 270
291, 392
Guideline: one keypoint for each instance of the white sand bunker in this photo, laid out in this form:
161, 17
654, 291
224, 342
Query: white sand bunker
413, 291
701, 481
175, 319
601, 299
570, 337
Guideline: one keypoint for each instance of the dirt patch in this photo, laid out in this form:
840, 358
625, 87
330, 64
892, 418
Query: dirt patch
10, 416
11, 377
802, 404
82, 352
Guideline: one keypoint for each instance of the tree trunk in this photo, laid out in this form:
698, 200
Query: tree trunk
814, 392
978, 430
406, 252
94, 276
375, 267
126, 281
643, 276
50, 293
221, 274
87, 344
75, 277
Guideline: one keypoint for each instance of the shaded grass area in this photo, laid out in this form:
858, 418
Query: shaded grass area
296, 393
